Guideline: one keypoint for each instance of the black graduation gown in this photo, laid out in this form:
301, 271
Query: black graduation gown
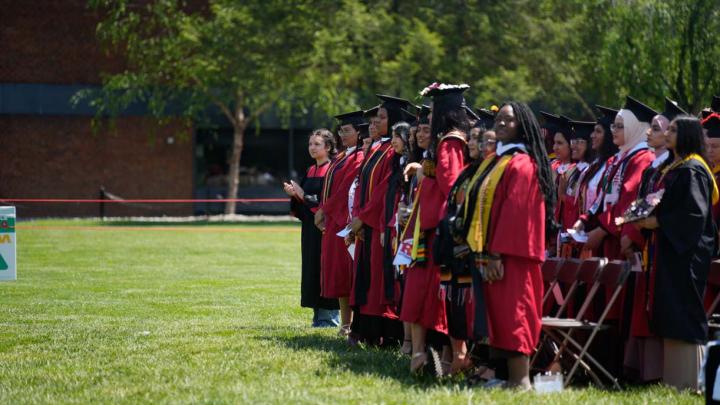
685, 241
311, 239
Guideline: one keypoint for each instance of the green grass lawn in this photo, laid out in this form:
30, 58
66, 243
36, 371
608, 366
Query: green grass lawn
208, 313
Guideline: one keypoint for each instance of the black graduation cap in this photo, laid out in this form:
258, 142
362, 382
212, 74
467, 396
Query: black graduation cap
364, 130
642, 112
371, 112
715, 104
471, 114
608, 114
410, 118
672, 110
582, 129
393, 103
425, 110
555, 123
352, 118
705, 113
712, 124
486, 119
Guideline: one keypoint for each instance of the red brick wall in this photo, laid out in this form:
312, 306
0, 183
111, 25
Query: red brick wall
61, 157
51, 41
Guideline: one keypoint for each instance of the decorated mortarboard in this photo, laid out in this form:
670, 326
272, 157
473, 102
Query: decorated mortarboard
393, 103
451, 94
351, 118
672, 110
641, 111
471, 114
371, 112
486, 119
712, 125
715, 104
582, 129
607, 114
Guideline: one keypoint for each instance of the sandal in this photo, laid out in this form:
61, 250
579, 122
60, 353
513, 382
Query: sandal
344, 331
406, 347
418, 366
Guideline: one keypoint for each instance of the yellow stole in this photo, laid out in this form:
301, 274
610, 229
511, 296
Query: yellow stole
698, 158
478, 232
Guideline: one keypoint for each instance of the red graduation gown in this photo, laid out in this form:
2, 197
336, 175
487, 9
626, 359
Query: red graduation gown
369, 198
514, 303
422, 302
628, 192
336, 263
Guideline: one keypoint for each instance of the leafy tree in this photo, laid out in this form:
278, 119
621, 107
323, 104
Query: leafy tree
242, 57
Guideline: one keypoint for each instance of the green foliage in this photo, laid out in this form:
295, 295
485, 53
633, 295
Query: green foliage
329, 56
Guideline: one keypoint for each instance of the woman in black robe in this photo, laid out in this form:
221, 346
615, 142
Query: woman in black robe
685, 239
303, 205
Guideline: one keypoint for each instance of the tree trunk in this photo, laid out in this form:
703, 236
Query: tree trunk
234, 172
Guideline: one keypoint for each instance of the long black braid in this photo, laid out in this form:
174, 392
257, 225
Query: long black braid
532, 136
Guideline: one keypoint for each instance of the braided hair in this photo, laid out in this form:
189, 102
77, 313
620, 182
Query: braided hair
532, 136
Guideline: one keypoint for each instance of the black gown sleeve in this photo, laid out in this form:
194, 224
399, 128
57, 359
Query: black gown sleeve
684, 208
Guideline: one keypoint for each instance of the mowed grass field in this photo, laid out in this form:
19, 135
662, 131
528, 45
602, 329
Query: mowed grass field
121, 313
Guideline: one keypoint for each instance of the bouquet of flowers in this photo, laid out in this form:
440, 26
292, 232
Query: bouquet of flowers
640, 208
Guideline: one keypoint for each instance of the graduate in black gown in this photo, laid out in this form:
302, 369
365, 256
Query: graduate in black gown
304, 202
685, 237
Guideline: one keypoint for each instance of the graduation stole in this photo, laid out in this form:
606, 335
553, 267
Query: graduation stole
696, 157
368, 170
478, 233
337, 164
418, 246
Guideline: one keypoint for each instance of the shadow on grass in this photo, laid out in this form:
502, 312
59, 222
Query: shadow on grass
382, 362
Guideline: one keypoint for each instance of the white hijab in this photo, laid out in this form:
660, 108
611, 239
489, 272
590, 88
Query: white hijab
635, 131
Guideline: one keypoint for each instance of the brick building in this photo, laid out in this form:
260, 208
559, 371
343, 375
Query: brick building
48, 51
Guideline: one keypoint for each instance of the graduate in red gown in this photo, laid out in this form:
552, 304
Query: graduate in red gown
620, 189
333, 216
379, 319
423, 306
457, 264
507, 234
623, 181
394, 214
561, 167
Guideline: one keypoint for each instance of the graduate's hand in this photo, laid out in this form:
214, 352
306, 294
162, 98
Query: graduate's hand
349, 239
320, 220
626, 247
298, 190
648, 223
289, 190
579, 226
595, 238
411, 169
382, 239
494, 270
356, 225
